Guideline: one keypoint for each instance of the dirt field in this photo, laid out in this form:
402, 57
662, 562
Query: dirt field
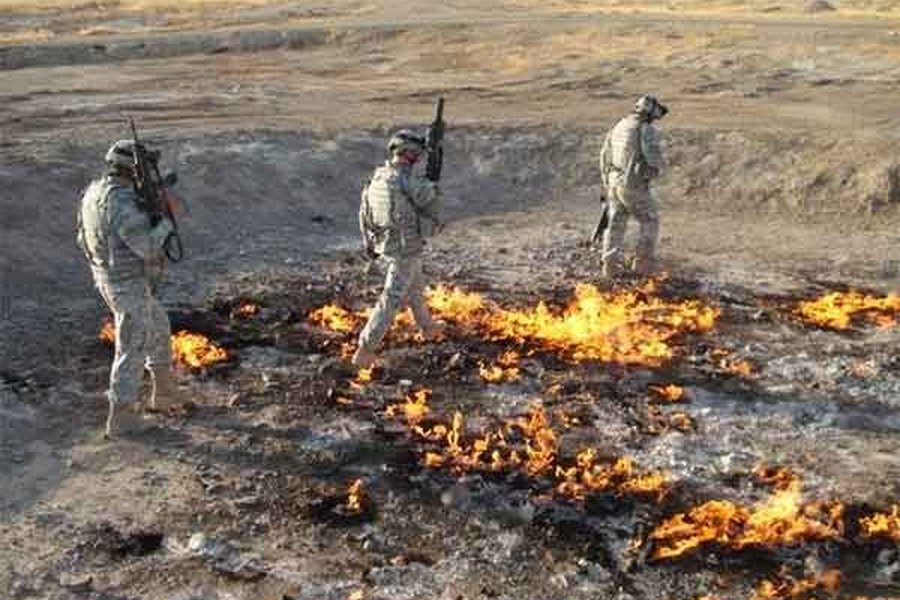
784, 185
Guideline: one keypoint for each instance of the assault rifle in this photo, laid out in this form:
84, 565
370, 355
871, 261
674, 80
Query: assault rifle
603, 224
150, 187
434, 143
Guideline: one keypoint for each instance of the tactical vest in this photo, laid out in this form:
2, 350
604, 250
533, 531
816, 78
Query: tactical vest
391, 218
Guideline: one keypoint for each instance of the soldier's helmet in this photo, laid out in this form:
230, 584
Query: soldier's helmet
406, 141
649, 107
121, 154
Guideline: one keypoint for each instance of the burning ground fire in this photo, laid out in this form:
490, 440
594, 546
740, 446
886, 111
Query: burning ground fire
628, 327
528, 445
505, 369
837, 310
189, 349
780, 520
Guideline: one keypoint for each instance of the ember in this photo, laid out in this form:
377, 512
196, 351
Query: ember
837, 310
882, 525
669, 393
196, 350
781, 520
506, 369
355, 496
246, 310
363, 377
108, 332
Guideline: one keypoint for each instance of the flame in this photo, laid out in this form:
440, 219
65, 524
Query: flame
355, 496
414, 409
781, 520
659, 422
356, 595
788, 588
836, 310
629, 327
781, 478
669, 393
882, 525
335, 318
196, 350
190, 349
506, 369
108, 332
536, 454
363, 377
245, 310
587, 476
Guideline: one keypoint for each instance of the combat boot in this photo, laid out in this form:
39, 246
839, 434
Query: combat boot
124, 419
165, 394
363, 358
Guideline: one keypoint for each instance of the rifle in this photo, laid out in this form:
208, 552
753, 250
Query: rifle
434, 143
603, 224
150, 187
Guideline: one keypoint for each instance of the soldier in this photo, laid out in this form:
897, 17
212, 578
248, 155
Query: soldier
126, 254
631, 158
397, 213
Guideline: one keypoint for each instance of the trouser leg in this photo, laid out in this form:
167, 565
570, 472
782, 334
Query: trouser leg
128, 303
415, 297
159, 345
614, 236
646, 212
397, 284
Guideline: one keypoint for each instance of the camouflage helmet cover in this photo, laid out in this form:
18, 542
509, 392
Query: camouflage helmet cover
648, 106
406, 140
121, 154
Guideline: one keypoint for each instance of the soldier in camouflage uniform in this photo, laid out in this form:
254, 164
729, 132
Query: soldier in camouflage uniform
631, 158
398, 211
126, 257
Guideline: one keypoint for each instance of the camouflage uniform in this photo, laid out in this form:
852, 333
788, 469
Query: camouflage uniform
126, 256
630, 159
397, 213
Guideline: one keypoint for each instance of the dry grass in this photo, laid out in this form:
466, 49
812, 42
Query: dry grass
767, 8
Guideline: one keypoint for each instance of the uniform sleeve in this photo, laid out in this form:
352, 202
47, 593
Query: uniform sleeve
426, 195
651, 148
605, 158
133, 226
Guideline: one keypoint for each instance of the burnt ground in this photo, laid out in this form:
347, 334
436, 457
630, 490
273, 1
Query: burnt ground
782, 187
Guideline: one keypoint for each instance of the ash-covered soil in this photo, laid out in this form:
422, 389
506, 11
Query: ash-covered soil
782, 188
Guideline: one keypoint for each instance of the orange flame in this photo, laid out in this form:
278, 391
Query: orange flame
108, 332
537, 456
836, 310
882, 525
414, 409
355, 495
781, 520
245, 310
669, 393
629, 327
335, 318
196, 350
190, 349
